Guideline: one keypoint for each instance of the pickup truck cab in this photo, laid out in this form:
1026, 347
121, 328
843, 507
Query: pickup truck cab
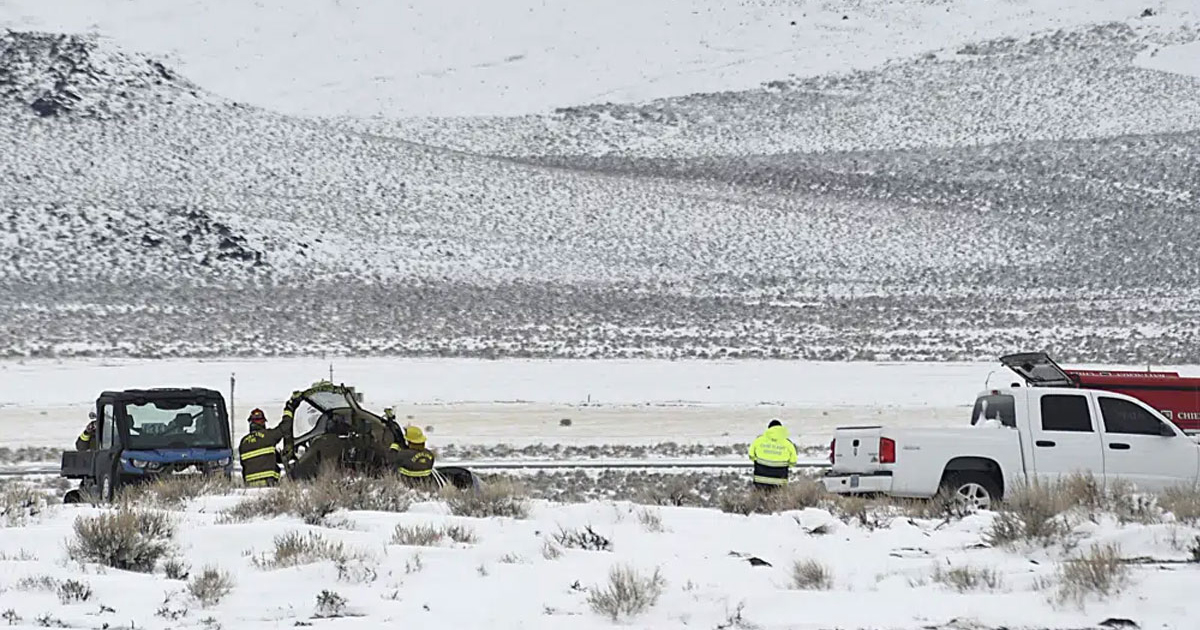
1017, 434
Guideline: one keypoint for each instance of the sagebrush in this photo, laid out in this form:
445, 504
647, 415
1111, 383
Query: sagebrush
174, 491
294, 548
424, 535
21, 504
314, 501
1100, 571
811, 575
968, 578
498, 498
210, 586
1033, 513
627, 593
127, 539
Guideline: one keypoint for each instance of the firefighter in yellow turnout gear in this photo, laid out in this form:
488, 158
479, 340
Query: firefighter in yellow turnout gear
414, 461
260, 460
773, 455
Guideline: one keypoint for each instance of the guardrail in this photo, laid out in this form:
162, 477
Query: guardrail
498, 464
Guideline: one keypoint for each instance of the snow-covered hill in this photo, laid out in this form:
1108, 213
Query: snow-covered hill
1045, 197
512, 57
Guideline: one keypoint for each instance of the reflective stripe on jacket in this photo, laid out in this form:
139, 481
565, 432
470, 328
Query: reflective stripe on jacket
412, 462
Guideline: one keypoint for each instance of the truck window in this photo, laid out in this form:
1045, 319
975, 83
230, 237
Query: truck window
108, 430
1122, 416
1065, 412
995, 407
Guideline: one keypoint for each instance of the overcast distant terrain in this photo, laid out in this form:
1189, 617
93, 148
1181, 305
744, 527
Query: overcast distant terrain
1024, 192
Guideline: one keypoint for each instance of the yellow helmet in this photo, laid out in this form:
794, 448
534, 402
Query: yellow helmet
414, 435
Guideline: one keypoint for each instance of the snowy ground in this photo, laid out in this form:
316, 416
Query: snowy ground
475, 57
888, 575
520, 403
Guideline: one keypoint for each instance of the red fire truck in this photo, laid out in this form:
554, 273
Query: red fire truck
1176, 397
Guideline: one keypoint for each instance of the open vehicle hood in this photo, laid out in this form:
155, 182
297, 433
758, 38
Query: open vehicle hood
1038, 369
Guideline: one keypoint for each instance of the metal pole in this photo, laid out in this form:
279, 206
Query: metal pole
232, 410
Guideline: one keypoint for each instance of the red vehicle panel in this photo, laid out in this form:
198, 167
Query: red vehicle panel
1176, 397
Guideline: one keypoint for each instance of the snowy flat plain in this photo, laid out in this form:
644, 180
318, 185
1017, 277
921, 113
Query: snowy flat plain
45, 402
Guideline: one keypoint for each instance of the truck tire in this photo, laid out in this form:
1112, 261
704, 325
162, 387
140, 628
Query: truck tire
971, 490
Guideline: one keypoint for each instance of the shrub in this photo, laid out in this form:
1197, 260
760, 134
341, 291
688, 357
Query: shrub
131, 540
176, 569
21, 504
417, 535
38, 583
551, 551
316, 500
431, 535
800, 493
72, 591
356, 571
294, 549
173, 491
211, 586
1032, 513
329, 605
628, 593
678, 490
1101, 571
1183, 502
501, 498
811, 575
586, 539
69, 592
461, 534
651, 521
966, 578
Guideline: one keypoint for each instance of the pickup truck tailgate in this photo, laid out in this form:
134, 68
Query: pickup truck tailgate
856, 450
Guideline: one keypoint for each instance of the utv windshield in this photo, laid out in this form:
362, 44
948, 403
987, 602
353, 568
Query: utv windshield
173, 424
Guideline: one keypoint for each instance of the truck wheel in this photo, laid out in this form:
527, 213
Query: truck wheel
971, 490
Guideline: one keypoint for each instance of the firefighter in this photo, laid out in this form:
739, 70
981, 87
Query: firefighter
260, 460
773, 455
86, 440
414, 461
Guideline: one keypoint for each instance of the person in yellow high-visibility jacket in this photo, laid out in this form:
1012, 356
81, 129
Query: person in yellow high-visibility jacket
260, 460
773, 455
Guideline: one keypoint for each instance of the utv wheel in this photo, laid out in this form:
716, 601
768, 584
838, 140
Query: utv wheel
971, 491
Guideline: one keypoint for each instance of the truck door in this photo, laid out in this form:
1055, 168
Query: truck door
1141, 448
1066, 440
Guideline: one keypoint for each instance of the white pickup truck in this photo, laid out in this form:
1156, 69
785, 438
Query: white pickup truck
1017, 434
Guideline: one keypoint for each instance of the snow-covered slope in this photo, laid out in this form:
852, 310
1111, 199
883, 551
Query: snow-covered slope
482, 57
144, 215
